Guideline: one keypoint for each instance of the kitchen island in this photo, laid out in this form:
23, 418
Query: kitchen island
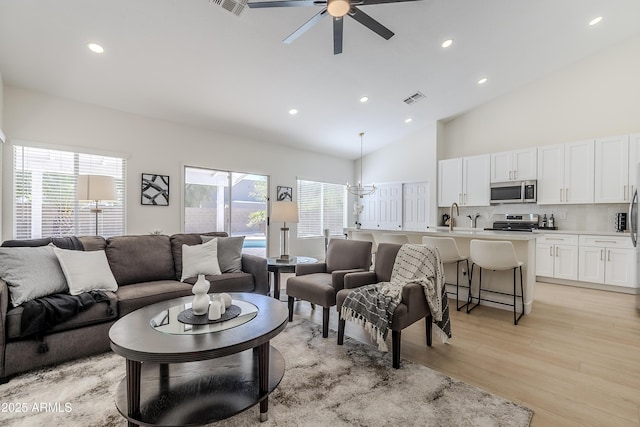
501, 281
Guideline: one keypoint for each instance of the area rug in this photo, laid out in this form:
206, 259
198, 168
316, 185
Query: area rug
324, 385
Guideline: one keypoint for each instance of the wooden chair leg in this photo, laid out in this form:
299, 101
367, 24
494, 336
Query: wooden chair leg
290, 302
325, 322
429, 328
395, 342
341, 324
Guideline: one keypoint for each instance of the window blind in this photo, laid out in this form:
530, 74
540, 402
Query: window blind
320, 206
44, 194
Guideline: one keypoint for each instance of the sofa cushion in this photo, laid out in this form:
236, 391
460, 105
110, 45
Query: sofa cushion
97, 313
93, 243
31, 272
177, 240
133, 297
144, 258
229, 252
86, 271
200, 259
228, 282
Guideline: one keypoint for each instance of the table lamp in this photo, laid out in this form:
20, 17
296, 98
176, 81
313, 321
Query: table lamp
284, 212
96, 188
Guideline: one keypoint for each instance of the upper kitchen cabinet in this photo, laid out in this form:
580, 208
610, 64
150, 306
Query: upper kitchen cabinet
634, 160
519, 165
612, 170
464, 181
566, 173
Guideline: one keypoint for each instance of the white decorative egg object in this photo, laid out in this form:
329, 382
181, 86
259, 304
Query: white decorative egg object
227, 299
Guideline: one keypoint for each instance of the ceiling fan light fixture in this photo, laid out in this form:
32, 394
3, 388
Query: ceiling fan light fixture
338, 8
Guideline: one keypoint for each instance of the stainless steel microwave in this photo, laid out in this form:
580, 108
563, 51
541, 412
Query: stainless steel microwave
514, 192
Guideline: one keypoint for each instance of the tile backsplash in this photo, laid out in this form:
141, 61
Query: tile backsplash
600, 217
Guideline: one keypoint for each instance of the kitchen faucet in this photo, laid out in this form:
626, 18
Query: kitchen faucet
451, 215
473, 219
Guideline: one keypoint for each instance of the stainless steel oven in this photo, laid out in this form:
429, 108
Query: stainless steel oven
514, 192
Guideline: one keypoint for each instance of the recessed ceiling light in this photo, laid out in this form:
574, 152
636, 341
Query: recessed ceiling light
364, 99
447, 43
293, 111
595, 21
95, 47
408, 120
482, 81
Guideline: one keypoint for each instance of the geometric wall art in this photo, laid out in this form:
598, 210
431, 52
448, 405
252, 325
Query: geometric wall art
284, 194
155, 189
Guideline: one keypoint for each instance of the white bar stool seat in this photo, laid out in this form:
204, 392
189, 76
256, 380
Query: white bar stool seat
450, 254
496, 255
395, 238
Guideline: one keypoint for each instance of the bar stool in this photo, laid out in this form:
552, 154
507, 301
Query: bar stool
395, 238
496, 255
450, 254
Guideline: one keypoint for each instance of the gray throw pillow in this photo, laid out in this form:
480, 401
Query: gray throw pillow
229, 252
31, 272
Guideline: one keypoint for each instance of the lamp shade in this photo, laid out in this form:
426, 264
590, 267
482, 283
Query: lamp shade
96, 187
284, 212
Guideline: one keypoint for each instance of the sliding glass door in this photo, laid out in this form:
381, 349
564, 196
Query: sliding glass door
233, 202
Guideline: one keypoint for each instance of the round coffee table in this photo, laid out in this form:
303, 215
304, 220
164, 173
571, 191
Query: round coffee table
186, 377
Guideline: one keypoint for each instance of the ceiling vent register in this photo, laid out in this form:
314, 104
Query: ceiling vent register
234, 6
414, 98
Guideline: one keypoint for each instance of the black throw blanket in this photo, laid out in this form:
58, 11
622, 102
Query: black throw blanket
42, 314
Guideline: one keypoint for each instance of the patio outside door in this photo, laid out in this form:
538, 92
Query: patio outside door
227, 201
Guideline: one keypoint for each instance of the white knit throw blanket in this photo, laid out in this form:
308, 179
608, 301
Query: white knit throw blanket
372, 306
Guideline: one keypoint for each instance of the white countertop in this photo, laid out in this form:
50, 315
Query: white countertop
470, 232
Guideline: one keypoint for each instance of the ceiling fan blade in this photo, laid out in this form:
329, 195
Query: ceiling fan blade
285, 3
338, 24
367, 2
304, 27
370, 23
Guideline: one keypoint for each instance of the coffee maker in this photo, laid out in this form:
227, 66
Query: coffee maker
621, 222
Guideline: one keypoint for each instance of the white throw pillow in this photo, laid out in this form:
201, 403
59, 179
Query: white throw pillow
200, 259
86, 271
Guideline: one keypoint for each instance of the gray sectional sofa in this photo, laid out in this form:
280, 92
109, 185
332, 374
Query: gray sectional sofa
147, 269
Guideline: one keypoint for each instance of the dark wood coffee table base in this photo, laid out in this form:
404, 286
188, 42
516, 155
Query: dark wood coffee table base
197, 393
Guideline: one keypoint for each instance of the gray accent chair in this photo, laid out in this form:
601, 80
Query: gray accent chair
320, 282
412, 307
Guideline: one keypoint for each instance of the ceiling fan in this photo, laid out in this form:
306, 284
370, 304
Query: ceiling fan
337, 9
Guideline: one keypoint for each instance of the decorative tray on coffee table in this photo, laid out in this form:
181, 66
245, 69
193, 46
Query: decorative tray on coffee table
180, 319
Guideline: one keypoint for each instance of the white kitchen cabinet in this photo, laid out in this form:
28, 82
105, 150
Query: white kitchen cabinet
383, 209
415, 198
612, 170
634, 160
517, 165
566, 173
557, 256
608, 260
464, 181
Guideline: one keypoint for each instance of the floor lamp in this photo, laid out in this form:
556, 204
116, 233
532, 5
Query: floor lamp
96, 188
284, 212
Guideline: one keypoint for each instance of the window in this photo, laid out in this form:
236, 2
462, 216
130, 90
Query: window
321, 206
44, 194
207, 193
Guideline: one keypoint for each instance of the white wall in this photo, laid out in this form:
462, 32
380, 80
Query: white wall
155, 146
596, 97
412, 159
1, 150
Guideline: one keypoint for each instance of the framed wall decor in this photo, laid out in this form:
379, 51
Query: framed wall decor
285, 194
155, 189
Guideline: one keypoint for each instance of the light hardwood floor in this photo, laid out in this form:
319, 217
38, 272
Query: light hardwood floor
575, 360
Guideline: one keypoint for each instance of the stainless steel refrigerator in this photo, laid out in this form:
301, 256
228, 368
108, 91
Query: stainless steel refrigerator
632, 219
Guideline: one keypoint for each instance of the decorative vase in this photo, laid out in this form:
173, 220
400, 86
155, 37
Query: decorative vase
200, 304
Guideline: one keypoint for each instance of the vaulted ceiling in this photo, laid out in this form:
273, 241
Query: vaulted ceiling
193, 62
